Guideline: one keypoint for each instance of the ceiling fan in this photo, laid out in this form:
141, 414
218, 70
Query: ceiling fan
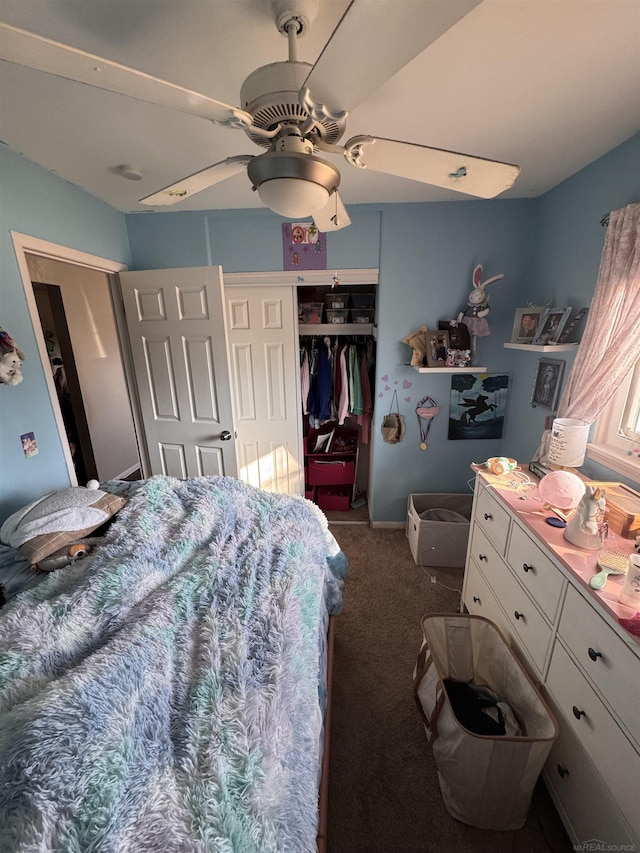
295, 109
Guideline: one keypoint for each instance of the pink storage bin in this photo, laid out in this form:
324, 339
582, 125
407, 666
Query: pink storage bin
330, 471
334, 497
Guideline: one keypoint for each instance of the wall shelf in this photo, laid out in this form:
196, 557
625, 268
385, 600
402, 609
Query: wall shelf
335, 328
474, 368
543, 348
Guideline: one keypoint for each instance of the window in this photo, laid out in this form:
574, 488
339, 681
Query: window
616, 441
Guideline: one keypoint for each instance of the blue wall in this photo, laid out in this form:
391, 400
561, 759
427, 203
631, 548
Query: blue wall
39, 204
548, 249
564, 267
426, 254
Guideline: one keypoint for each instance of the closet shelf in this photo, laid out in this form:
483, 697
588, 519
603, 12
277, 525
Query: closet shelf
474, 368
543, 347
335, 329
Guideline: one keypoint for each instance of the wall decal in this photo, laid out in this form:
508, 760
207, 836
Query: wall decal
303, 246
406, 384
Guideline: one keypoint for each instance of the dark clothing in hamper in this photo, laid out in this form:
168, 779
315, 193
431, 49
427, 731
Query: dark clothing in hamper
476, 708
480, 710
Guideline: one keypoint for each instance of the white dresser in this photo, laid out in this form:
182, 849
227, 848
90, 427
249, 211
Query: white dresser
523, 575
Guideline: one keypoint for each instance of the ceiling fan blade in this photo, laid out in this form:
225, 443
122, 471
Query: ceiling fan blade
463, 173
373, 41
198, 182
34, 51
333, 215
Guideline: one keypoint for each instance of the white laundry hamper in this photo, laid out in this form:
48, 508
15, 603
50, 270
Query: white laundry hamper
486, 781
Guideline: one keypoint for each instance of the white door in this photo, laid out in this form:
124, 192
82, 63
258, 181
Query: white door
265, 371
175, 321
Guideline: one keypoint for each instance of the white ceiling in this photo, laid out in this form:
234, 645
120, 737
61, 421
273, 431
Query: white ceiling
548, 84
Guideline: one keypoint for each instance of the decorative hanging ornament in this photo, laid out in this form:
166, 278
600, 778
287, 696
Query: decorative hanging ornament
426, 410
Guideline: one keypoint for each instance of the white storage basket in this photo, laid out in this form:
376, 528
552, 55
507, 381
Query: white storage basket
438, 543
486, 781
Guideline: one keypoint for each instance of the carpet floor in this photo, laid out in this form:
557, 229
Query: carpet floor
384, 795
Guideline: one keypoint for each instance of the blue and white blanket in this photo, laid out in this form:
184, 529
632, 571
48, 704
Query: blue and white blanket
163, 694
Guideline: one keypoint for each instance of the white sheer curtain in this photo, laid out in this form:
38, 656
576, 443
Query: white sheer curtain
610, 344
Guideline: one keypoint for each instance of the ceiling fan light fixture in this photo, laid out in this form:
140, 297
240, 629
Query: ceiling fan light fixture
292, 197
291, 184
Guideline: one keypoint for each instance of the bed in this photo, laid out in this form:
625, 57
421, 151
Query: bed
168, 692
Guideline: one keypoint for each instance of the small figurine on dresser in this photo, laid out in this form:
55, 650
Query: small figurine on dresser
587, 528
474, 316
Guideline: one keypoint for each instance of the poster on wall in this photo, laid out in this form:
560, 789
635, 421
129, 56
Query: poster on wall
29, 444
477, 405
303, 246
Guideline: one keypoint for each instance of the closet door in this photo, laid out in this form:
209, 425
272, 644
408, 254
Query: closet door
265, 369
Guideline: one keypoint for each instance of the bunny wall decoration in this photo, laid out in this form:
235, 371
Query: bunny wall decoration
474, 315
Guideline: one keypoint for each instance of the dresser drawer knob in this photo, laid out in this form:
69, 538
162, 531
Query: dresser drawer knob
476, 599
593, 654
577, 713
562, 771
482, 557
488, 516
518, 615
527, 567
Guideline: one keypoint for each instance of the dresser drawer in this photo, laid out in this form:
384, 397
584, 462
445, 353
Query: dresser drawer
493, 518
485, 554
580, 794
608, 662
479, 599
535, 571
612, 753
528, 630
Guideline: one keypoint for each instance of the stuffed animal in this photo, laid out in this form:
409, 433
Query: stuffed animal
11, 358
10, 368
474, 315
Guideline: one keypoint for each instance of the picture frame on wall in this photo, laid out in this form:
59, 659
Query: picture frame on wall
459, 338
437, 346
526, 323
551, 326
572, 331
547, 383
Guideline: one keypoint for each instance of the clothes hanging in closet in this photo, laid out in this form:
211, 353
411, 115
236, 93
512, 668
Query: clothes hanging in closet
335, 380
319, 399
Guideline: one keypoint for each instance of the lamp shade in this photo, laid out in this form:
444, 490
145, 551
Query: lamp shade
292, 197
291, 183
568, 443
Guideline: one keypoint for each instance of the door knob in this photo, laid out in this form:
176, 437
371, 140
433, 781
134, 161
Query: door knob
225, 435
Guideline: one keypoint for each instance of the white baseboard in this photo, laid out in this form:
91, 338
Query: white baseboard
396, 525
